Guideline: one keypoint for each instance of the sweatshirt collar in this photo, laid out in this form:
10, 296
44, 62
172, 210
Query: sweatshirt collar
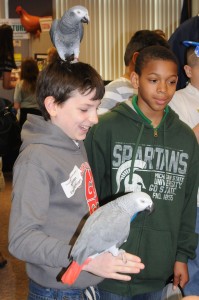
140, 113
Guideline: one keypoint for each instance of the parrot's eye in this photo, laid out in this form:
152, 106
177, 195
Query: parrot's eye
78, 12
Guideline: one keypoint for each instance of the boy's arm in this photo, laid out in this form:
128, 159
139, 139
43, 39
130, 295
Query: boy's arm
187, 238
17, 96
30, 203
181, 275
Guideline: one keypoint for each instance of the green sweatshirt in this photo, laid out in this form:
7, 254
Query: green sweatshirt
127, 154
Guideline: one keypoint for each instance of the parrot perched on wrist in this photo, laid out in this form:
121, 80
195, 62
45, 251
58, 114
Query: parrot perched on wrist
105, 231
66, 34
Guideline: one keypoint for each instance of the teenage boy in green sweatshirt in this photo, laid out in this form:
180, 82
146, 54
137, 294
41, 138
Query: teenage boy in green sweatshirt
141, 145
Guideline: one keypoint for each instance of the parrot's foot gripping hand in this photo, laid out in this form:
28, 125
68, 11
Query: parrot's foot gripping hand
122, 253
73, 272
116, 252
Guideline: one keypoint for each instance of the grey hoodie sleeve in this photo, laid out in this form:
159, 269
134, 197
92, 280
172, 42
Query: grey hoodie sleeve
29, 239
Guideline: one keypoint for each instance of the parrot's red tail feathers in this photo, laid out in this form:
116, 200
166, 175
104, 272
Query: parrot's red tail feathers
73, 271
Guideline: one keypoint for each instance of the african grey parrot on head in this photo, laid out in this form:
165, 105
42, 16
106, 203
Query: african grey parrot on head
67, 33
105, 231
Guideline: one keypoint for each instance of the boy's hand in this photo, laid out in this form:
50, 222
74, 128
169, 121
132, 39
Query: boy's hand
108, 266
181, 275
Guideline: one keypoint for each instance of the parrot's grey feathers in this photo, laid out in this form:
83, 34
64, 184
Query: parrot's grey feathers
53, 30
109, 225
67, 33
98, 241
81, 31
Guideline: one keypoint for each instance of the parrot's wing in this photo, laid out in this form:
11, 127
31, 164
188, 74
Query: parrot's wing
81, 31
101, 232
53, 29
111, 231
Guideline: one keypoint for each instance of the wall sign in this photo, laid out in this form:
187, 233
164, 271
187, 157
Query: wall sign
19, 32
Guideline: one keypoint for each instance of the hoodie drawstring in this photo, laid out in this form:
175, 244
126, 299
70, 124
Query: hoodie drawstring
134, 153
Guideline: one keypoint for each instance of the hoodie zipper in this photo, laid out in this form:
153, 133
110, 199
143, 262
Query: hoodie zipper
137, 109
155, 132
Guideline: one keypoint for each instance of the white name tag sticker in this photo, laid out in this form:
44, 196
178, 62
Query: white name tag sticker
73, 183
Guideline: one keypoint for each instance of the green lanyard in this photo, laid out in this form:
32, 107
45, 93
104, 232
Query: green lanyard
139, 112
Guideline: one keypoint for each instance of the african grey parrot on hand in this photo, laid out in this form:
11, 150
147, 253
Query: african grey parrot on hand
67, 33
105, 231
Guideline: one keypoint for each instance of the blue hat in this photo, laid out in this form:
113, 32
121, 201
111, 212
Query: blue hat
192, 44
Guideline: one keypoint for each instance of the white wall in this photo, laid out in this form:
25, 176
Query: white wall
195, 7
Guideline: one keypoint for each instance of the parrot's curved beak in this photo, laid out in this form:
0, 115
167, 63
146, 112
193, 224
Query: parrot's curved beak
85, 19
150, 208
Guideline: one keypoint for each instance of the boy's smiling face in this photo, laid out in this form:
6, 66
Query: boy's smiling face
156, 86
76, 115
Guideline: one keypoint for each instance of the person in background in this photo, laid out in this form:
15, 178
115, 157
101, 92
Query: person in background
25, 90
121, 88
2, 180
141, 145
3, 261
185, 103
7, 63
161, 33
53, 187
188, 30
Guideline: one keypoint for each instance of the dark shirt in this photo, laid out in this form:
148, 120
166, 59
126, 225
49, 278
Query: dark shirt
6, 66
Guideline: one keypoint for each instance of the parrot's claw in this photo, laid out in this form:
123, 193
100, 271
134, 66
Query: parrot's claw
124, 259
122, 253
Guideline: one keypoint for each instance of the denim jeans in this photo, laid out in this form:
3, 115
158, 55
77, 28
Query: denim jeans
192, 287
148, 296
37, 292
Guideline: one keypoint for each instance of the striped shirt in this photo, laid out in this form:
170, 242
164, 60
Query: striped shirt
116, 91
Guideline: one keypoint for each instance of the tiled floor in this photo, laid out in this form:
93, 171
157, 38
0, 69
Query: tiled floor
13, 279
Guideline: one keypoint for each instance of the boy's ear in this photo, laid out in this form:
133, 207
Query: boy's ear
134, 80
188, 71
50, 106
135, 55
